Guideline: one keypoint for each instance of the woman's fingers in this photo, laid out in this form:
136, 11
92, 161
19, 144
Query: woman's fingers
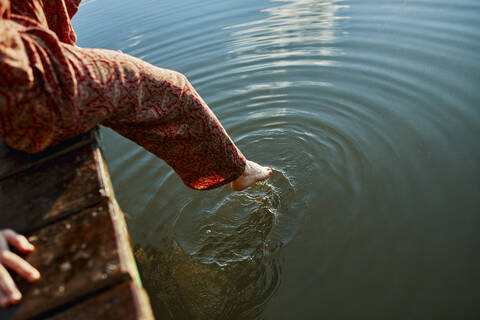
18, 241
20, 266
8, 290
9, 293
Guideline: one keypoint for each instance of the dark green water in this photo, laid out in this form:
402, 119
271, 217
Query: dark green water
369, 112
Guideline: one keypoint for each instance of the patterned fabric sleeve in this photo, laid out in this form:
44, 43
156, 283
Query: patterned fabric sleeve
157, 108
23, 125
51, 90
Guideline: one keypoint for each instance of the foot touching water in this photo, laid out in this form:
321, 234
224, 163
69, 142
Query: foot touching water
253, 173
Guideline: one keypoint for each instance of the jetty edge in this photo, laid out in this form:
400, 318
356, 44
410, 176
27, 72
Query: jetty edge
62, 200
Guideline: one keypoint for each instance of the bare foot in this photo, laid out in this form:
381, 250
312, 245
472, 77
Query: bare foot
253, 173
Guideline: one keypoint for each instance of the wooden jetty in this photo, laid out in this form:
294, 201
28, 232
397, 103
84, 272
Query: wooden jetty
63, 201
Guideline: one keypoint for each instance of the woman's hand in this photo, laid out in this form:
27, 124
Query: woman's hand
9, 293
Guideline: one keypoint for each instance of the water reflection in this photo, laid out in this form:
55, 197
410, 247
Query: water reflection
186, 286
374, 115
295, 33
182, 287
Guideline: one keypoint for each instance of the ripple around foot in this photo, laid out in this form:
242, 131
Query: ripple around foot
219, 260
236, 226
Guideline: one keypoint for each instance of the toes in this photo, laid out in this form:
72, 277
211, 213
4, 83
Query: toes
268, 172
253, 173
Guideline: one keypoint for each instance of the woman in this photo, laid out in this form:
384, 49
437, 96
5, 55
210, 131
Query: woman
52, 90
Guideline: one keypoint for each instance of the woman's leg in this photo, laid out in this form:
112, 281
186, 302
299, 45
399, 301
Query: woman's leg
59, 91
161, 111
158, 109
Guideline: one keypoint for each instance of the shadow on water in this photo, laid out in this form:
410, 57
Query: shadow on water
218, 263
186, 288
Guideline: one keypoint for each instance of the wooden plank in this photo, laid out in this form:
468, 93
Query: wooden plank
64, 199
120, 225
126, 301
77, 257
51, 190
13, 161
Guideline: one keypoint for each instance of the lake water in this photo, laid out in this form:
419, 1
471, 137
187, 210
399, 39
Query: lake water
369, 113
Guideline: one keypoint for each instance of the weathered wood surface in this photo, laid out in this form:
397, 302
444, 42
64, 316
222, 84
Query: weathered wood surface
126, 301
76, 257
50, 190
13, 161
64, 202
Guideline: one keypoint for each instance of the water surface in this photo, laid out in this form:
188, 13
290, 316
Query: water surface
369, 113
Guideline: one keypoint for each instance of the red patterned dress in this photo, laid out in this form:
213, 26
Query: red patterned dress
52, 90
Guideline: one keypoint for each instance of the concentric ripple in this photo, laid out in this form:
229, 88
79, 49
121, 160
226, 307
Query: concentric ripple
368, 113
